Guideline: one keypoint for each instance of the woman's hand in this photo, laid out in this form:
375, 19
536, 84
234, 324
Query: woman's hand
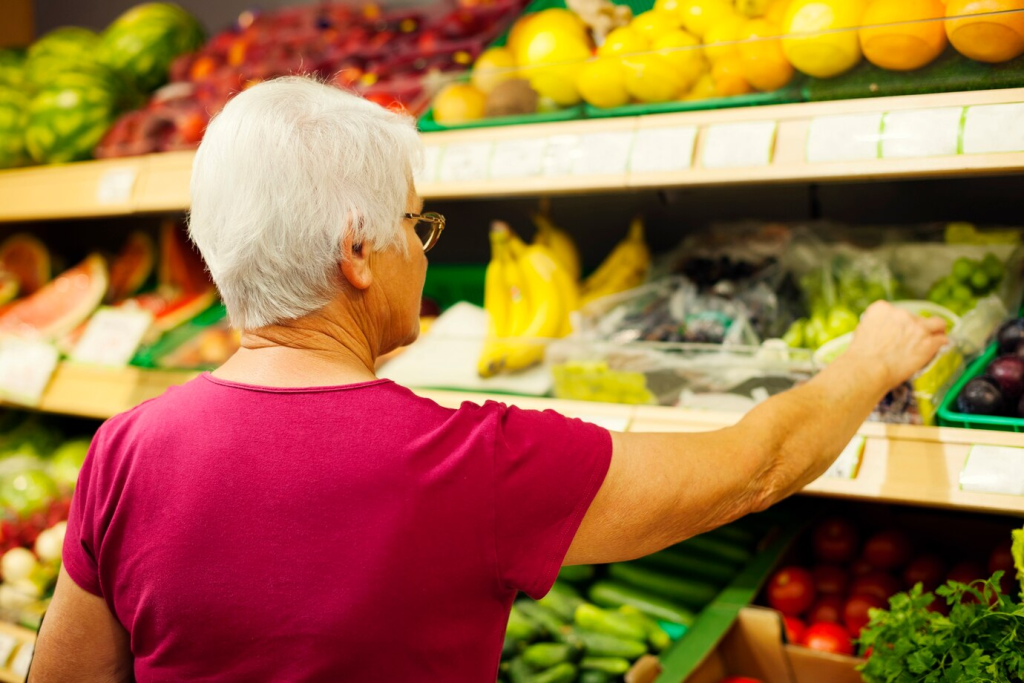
895, 342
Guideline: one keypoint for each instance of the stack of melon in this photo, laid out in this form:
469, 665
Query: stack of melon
59, 98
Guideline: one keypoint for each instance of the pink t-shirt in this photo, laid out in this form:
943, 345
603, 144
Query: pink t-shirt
355, 533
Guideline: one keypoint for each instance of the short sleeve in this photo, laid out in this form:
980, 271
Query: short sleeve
80, 542
547, 469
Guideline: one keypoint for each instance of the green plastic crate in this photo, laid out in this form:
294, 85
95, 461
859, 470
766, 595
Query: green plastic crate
149, 355
949, 416
427, 124
449, 283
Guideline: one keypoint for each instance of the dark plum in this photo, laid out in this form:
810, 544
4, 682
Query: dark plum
1010, 335
1008, 373
981, 396
1020, 407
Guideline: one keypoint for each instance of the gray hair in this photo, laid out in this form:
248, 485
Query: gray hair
282, 173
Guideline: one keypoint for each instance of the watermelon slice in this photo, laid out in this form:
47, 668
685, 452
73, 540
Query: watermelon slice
171, 309
132, 267
181, 266
28, 260
61, 305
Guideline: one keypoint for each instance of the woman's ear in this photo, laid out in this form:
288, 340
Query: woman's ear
355, 262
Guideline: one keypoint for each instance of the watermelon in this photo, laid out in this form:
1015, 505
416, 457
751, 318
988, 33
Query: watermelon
60, 306
28, 260
12, 67
132, 267
142, 42
13, 119
59, 50
69, 117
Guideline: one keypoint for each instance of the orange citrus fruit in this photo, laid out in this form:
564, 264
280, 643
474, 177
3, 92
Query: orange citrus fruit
728, 76
995, 38
889, 41
764, 63
459, 103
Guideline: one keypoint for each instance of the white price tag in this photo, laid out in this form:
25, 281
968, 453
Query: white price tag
994, 128
22, 660
465, 161
427, 173
847, 464
612, 423
7, 645
739, 145
994, 469
112, 337
603, 153
560, 155
921, 133
661, 150
518, 158
115, 186
846, 137
25, 369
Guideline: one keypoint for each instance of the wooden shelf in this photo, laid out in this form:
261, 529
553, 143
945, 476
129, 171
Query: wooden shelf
160, 182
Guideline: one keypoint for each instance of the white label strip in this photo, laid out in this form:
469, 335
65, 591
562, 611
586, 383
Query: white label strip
112, 337
921, 133
518, 159
994, 469
465, 161
847, 464
19, 667
663, 150
560, 155
603, 153
612, 423
25, 369
115, 186
994, 128
427, 173
7, 645
847, 137
739, 145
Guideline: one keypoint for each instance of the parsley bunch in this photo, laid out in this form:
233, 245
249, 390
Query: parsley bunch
981, 639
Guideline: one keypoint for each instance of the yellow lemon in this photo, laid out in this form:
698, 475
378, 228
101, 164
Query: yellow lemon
652, 78
764, 63
602, 83
911, 41
561, 21
654, 24
703, 89
728, 76
776, 11
682, 50
623, 41
671, 6
459, 103
701, 15
720, 39
814, 45
492, 67
550, 61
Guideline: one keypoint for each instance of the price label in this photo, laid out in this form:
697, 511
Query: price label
560, 155
22, 660
115, 186
7, 645
465, 161
994, 128
739, 145
25, 369
994, 469
427, 172
612, 423
663, 150
603, 153
518, 159
847, 464
112, 337
921, 133
847, 137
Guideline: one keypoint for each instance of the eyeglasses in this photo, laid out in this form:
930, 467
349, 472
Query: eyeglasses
429, 227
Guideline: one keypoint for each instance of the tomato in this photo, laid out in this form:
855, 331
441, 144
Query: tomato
740, 679
875, 583
860, 567
835, 540
791, 590
1002, 560
855, 612
795, 629
926, 570
888, 549
966, 572
830, 580
826, 637
828, 608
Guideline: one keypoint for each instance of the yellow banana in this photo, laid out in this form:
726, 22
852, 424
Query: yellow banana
624, 268
558, 241
496, 303
540, 274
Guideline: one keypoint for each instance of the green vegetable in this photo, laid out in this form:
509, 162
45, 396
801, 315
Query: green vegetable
547, 655
592, 618
562, 604
608, 665
718, 548
510, 647
612, 594
658, 638
690, 592
519, 627
562, 673
591, 676
565, 589
1017, 550
602, 645
690, 564
734, 534
576, 573
548, 621
519, 671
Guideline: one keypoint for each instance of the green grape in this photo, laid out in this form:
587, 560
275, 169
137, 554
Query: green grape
979, 281
840, 321
794, 336
962, 269
961, 293
993, 267
815, 333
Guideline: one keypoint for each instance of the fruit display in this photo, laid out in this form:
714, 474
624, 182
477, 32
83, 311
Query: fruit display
970, 280
994, 385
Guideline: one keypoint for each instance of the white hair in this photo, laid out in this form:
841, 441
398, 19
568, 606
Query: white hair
283, 171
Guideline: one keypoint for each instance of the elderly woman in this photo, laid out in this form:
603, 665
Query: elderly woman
291, 517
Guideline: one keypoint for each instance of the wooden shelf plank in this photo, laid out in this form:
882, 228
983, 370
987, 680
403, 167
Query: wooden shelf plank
70, 190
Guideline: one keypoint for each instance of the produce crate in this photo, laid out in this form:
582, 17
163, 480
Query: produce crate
949, 416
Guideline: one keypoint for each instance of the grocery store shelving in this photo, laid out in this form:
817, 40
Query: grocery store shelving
160, 182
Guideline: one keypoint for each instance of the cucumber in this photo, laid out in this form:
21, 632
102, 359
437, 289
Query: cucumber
562, 604
602, 645
510, 647
689, 564
547, 655
689, 592
717, 548
519, 627
608, 665
593, 618
576, 573
548, 621
591, 676
565, 589
658, 637
612, 594
734, 534
561, 673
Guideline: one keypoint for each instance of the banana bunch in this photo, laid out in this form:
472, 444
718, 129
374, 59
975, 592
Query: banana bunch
624, 268
558, 241
528, 296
